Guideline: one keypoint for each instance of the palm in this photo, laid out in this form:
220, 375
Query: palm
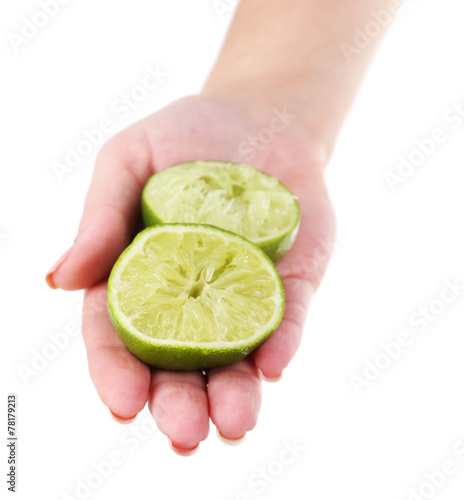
191, 129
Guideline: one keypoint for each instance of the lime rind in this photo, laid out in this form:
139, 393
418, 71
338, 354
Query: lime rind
232, 196
171, 353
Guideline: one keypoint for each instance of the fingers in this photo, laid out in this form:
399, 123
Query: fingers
122, 381
302, 270
234, 394
179, 405
278, 350
111, 212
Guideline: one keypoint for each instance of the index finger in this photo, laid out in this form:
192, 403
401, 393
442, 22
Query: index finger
122, 380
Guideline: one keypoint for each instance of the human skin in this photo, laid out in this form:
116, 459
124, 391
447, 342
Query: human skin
280, 57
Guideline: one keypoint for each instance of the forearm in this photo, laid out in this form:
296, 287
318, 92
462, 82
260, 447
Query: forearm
301, 54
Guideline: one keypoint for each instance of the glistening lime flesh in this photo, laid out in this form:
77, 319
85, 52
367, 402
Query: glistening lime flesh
193, 296
232, 196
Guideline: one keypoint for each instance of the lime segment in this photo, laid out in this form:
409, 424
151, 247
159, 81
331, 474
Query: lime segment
188, 296
231, 196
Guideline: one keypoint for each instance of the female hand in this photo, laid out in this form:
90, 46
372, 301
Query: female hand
205, 127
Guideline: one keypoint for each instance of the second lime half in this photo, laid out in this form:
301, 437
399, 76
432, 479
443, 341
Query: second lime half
231, 196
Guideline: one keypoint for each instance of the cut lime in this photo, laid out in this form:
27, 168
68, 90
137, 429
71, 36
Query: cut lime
231, 196
190, 296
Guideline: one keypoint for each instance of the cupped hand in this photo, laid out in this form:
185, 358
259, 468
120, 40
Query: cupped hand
196, 128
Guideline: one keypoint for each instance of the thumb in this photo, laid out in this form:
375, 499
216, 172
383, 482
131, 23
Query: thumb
111, 213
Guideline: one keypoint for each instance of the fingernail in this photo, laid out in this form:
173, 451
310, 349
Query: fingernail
269, 379
183, 452
228, 441
49, 277
122, 420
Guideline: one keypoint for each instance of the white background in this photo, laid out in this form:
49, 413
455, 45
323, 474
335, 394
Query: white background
396, 249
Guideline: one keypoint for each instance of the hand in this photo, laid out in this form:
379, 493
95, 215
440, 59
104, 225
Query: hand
194, 128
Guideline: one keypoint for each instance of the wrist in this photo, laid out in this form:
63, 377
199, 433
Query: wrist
288, 54
293, 98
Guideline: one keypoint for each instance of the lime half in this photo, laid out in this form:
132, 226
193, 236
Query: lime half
231, 196
190, 296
